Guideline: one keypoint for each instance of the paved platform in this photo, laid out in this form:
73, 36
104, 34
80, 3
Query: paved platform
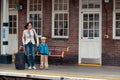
64, 72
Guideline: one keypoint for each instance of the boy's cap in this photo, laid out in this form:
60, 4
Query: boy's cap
43, 38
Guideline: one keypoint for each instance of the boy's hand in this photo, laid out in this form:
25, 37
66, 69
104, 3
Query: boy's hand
37, 53
23, 44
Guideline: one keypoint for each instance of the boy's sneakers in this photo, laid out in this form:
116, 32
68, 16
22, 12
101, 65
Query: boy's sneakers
34, 67
46, 68
41, 67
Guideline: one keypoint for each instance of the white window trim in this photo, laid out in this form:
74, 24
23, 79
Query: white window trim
114, 6
13, 9
35, 12
15, 13
114, 25
95, 9
114, 21
53, 13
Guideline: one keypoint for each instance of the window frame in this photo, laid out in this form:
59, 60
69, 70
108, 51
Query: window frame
88, 27
14, 6
13, 27
90, 9
13, 12
53, 16
35, 12
114, 20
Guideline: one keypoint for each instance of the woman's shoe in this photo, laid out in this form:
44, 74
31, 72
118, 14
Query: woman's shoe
29, 68
34, 67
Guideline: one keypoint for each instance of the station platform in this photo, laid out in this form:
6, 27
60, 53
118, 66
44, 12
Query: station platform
64, 72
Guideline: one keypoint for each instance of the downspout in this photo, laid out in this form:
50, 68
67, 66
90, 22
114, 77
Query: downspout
106, 36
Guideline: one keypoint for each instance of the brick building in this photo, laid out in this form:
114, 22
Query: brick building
91, 28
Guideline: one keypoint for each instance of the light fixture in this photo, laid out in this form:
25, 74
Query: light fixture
19, 7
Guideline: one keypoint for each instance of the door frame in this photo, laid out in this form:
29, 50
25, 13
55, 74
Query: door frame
80, 29
1, 24
14, 13
4, 19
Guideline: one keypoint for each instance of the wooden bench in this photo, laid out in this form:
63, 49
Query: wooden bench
58, 53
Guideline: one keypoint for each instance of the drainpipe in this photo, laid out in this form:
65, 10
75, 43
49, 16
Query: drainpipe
5, 27
106, 36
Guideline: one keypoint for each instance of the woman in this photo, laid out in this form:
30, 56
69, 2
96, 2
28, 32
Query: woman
29, 42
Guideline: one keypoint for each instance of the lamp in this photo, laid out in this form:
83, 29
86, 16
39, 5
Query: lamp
18, 7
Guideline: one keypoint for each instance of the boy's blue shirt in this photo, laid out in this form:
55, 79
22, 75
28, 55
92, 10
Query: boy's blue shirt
43, 49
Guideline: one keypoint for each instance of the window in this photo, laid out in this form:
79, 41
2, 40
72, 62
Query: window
116, 20
90, 16
91, 4
60, 19
117, 4
35, 14
13, 5
12, 24
13, 17
91, 25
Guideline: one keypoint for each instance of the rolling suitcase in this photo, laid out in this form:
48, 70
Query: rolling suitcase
20, 60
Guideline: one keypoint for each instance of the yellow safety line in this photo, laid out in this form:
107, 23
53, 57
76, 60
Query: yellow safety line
89, 65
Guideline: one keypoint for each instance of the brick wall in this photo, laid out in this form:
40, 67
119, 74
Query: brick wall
22, 20
47, 17
110, 47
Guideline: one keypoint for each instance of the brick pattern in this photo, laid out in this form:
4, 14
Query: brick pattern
22, 20
110, 47
47, 18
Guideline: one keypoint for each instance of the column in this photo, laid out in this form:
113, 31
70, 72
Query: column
5, 26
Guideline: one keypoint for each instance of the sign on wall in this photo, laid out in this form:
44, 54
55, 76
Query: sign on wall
4, 33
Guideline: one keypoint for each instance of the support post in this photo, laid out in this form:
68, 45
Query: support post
5, 27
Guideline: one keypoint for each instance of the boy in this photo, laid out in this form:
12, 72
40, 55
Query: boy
44, 51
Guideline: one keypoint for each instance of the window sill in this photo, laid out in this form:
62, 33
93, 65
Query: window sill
60, 38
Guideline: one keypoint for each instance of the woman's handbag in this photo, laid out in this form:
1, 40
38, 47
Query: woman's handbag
35, 38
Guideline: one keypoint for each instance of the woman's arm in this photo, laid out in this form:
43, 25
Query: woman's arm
36, 37
23, 38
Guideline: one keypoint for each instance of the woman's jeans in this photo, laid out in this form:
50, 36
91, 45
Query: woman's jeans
30, 54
